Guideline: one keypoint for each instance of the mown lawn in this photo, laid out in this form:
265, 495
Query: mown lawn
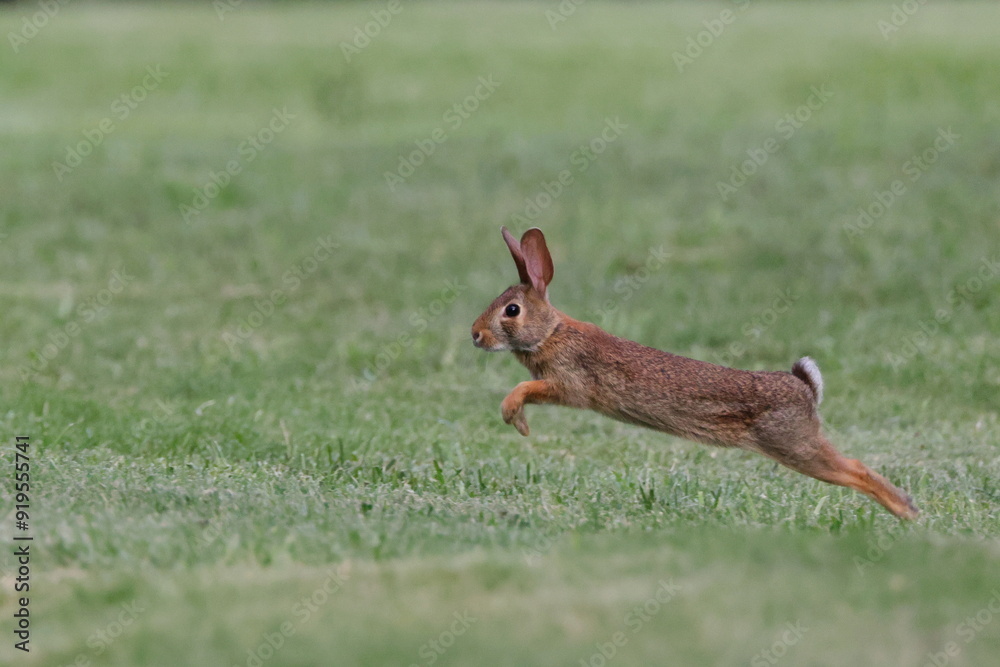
239, 266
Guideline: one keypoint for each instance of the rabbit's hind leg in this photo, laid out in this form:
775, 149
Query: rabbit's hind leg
820, 460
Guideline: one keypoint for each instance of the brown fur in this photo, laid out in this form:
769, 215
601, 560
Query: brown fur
578, 364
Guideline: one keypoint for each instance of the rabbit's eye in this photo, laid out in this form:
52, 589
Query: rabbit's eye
512, 310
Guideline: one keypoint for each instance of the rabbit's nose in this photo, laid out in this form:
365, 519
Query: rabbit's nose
476, 337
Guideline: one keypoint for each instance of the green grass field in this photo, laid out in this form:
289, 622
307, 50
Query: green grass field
240, 263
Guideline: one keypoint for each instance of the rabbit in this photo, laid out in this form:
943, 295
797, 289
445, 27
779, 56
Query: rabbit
578, 364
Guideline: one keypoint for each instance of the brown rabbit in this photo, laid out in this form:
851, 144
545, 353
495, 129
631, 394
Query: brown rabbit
580, 365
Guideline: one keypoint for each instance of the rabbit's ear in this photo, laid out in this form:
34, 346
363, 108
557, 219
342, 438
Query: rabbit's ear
537, 260
515, 252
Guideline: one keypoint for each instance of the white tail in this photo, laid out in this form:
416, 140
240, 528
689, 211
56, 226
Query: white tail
806, 370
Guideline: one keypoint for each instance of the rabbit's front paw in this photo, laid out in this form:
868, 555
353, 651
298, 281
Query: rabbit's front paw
513, 413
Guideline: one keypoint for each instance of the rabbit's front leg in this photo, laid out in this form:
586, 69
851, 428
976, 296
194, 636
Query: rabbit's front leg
532, 391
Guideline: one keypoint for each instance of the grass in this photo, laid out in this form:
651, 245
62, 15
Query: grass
243, 433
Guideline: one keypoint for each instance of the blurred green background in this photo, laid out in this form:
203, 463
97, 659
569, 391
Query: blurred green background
243, 244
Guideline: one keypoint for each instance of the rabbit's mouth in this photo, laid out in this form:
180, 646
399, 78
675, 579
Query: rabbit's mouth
484, 340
